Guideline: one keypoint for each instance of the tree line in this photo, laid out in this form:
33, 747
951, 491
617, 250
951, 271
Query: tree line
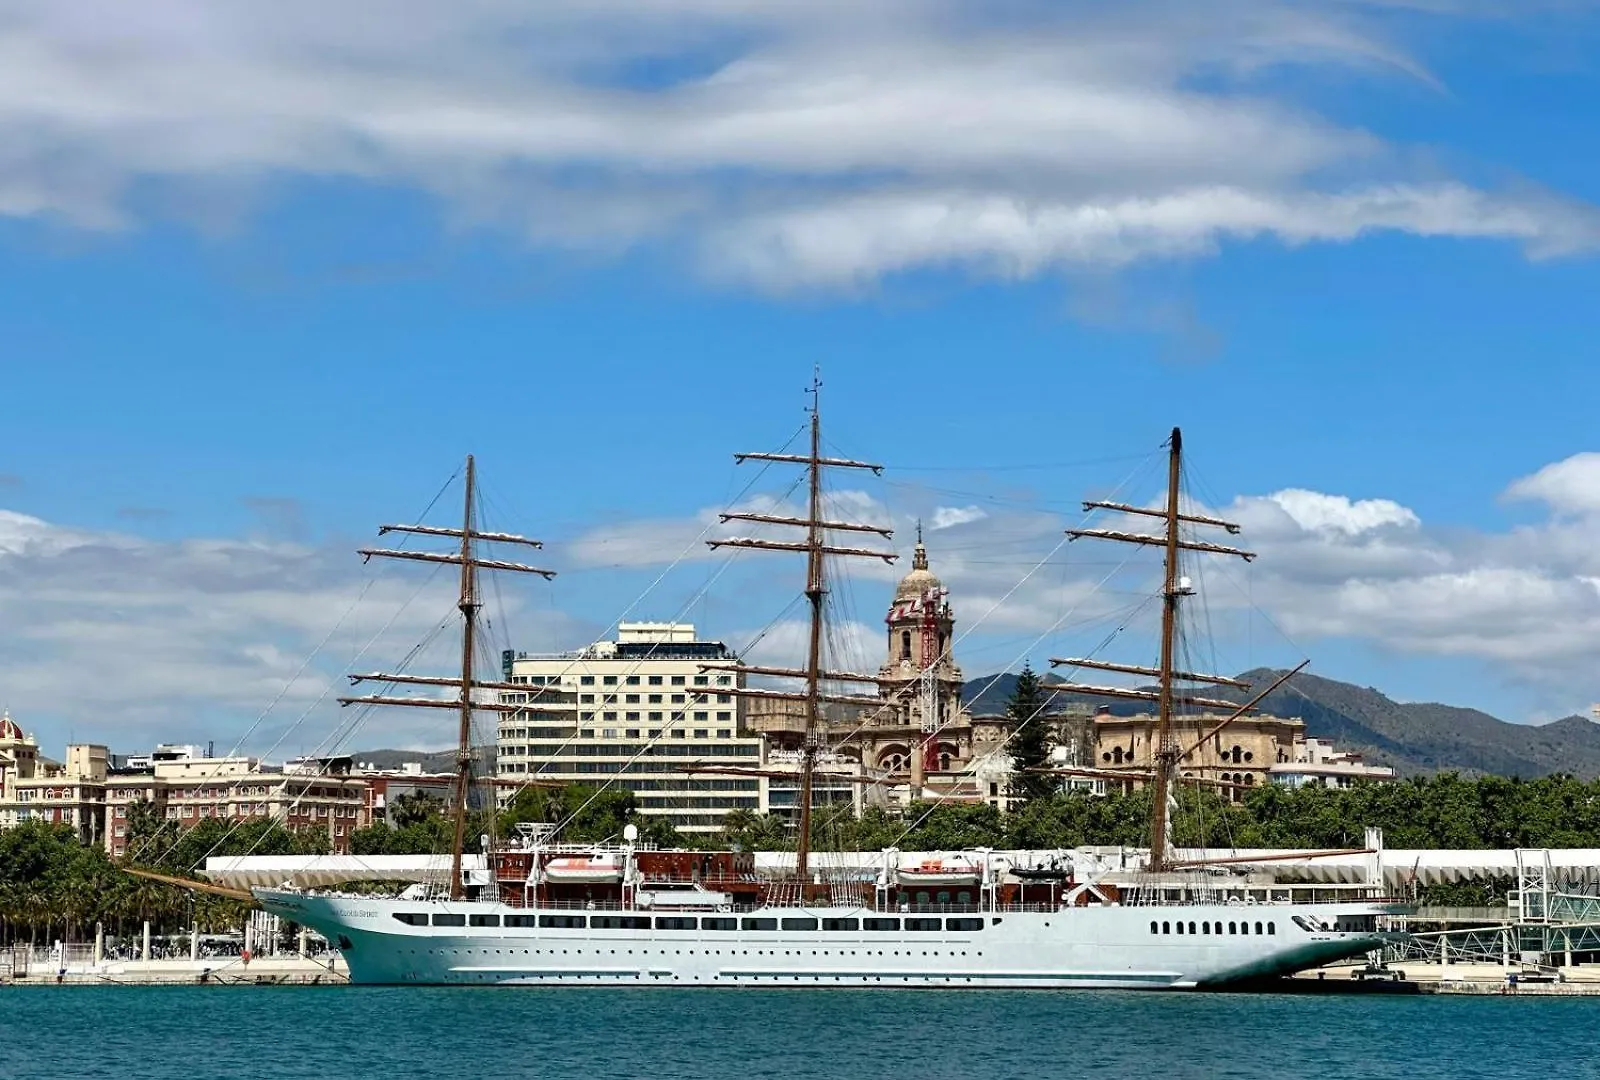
54, 887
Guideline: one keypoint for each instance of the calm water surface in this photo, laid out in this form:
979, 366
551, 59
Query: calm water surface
290, 1033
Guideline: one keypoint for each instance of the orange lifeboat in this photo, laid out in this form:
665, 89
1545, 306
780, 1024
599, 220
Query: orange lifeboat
594, 869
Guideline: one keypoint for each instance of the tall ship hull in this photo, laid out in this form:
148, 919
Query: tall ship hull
386, 941
677, 918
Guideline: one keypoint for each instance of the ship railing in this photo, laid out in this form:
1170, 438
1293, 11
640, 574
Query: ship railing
840, 901
703, 879
514, 848
1131, 898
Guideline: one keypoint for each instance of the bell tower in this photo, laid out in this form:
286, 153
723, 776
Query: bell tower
919, 674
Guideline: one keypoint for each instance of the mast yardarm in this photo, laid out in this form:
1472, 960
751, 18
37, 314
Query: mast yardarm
816, 547
469, 605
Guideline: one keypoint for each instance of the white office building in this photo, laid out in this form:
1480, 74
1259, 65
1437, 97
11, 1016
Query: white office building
632, 713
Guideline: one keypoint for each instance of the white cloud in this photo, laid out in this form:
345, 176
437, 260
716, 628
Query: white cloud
946, 517
1570, 486
1314, 511
786, 144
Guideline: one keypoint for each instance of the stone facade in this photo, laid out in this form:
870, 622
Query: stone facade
1251, 751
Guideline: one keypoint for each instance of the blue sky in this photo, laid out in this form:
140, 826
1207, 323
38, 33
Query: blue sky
267, 273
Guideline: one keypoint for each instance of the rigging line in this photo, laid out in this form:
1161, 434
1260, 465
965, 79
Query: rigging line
361, 716
695, 598
950, 646
1049, 699
371, 581
688, 707
1081, 463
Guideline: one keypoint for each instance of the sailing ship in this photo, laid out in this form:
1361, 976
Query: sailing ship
544, 912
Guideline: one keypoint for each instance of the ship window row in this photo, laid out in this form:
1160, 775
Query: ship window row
1211, 928
690, 922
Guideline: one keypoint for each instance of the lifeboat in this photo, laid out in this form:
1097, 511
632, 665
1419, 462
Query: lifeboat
584, 869
939, 872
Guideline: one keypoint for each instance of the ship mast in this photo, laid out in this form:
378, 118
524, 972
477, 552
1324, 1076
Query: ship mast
469, 606
1165, 753
816, 545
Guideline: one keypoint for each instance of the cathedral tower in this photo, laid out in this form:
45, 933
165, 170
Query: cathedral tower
919, 675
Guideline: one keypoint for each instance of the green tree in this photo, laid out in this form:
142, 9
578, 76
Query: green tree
750, 831
587, 815
1032, 739
415, 808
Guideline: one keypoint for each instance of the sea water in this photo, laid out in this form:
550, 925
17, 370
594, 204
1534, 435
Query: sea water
351, 1033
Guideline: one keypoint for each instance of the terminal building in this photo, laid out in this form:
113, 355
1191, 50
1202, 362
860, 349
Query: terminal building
635, 714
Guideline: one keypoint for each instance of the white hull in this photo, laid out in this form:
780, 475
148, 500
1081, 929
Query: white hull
1081, 947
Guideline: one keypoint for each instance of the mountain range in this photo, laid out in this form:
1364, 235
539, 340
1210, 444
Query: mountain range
1413, 737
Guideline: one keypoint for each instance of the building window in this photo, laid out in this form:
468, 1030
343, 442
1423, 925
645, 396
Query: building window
609, 680
677, 680
724, 733
702, 680
724, 680
631, 716
632, 699
586, 680
905, 644
655, 680
702, 717
678, 699
678, 733
586, 699
633, 733
700, 733
724, 716
609, 733
655, 718
655, 699
633, 680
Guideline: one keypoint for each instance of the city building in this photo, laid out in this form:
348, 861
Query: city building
1317, 762
186, 791
35, 788
1252, 750
634, 713
385, 787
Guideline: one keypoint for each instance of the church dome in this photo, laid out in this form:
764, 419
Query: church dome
9, 731
920, 579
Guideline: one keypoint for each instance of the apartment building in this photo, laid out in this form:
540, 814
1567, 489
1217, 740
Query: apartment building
35, 788
634, 712
187, 791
